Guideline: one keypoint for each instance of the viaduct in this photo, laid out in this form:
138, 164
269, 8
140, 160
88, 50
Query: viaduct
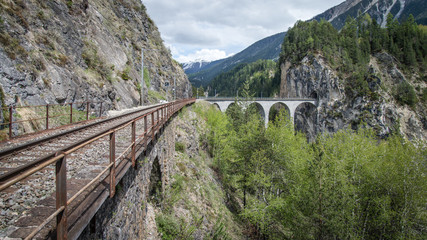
264, 105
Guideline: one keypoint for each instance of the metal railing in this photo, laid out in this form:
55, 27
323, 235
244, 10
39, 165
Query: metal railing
48, 113
158, 117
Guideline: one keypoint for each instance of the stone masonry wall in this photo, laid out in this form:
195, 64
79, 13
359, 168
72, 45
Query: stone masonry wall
123, 216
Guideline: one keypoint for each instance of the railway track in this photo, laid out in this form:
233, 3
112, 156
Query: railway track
28, 174
19, 158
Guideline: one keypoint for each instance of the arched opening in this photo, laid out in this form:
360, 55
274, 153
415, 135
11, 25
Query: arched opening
258, 108
276, 109
313, 95
306, 120
232, 107
217, 106
155, 187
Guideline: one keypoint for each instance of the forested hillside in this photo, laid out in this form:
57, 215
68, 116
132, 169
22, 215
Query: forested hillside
349, 50
344, 186
267, 49
360, 74
261, 75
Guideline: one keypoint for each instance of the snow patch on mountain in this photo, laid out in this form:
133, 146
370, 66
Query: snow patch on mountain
195, 64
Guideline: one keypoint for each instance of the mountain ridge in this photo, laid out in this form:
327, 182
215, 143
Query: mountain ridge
377, 9
267, 48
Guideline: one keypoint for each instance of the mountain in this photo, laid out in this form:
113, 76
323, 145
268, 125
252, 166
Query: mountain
195, 66
267, 48
377, 9
262, 74
74, 51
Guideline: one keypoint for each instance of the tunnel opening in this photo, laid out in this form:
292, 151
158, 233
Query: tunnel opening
313, 95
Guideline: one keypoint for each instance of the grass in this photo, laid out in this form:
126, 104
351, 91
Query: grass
45, 41
156, 95
95, 62
4, 134
58, 116
125, 73
147, 78
12, 47
191, 195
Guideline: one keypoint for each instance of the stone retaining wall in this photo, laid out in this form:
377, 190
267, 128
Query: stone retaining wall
123, 216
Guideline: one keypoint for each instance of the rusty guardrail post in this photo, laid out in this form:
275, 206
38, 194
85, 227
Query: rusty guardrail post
145, 132
100, 110
87, 111
158, 119
113, 167
133, 143
163, 116
71, 112
47, 116
61, 198
152, 126
10, 121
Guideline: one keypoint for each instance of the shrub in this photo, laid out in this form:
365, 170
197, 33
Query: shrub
12, 47
424, 95
125, 74
69, 4
94, 61
405, 94
179, 147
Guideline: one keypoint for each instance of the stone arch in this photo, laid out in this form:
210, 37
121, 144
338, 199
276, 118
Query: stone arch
305, 120
155, 187
259, 108
217, 106
229, 106
276, 108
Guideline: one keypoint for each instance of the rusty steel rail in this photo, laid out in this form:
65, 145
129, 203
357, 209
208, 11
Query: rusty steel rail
163, 112
46, 116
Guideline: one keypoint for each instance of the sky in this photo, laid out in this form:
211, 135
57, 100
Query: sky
215, 29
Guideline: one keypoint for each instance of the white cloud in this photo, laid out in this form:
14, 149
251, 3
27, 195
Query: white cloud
204, 54
227, 25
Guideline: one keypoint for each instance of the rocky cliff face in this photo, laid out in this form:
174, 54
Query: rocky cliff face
312, 77
66, 51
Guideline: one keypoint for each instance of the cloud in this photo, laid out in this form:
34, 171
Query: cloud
204, 54
227, 25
